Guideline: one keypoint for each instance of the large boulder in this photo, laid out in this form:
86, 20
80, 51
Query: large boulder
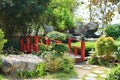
13, 63
87, 29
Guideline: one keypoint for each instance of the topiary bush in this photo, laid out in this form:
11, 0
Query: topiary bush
2, 40
113, 30
105, 47
114, 74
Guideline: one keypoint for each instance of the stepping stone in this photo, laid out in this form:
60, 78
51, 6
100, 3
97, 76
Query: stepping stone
78, 66
91, 75
98, 71
90, 78
88, 68
75, 79
103, 76
94, 66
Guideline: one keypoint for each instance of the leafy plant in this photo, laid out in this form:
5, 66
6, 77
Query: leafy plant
67, 64
56, 35
117, 53
93, 61
113, 30
28, 74
52, 61
2, 40
60, 48
114, 74
105, 46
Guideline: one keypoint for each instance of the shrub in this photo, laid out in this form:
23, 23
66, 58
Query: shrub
60, 48
67, 64
14, 43
56, 35
104, 47
113, 30
93, 61
53, 64
114, 74
2, 40
117, 53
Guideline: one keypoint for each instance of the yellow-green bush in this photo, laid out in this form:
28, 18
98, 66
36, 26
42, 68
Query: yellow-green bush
105, 46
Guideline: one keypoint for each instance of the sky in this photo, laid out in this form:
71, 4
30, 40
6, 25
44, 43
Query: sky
83, 12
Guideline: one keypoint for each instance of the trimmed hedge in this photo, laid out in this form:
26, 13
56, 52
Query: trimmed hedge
113, 30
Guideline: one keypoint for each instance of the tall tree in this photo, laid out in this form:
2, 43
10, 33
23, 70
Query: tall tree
19, 15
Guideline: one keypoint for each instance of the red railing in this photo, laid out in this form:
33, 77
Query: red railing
82, 48
26, 44
30, 43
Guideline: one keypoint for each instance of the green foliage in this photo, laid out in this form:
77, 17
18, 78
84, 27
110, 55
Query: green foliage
2, 77
60, 14
56, 60
52, 64
2, 40
14, 43
42, 48
60, 48
58, 63
65, 76
105, 46
67, 64
17, 16
88, 46
117, 53
93, 61
113, 30
56, 35
28, 74
114, 74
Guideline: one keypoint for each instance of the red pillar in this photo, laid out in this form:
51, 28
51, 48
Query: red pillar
48, 42
28, 44
83, 50
69, 45
35, 43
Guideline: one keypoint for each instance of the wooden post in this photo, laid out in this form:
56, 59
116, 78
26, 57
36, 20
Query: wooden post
48, 42
83, 50
69, 45
28, 44
35, 43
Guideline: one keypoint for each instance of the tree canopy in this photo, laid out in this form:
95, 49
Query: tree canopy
19, 15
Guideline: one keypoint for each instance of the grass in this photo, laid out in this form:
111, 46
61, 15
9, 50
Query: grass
87, 44
61, 75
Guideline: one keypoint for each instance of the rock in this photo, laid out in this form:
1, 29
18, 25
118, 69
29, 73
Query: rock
13, 63
48, 29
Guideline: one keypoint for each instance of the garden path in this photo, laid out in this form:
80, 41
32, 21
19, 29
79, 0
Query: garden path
90, 72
